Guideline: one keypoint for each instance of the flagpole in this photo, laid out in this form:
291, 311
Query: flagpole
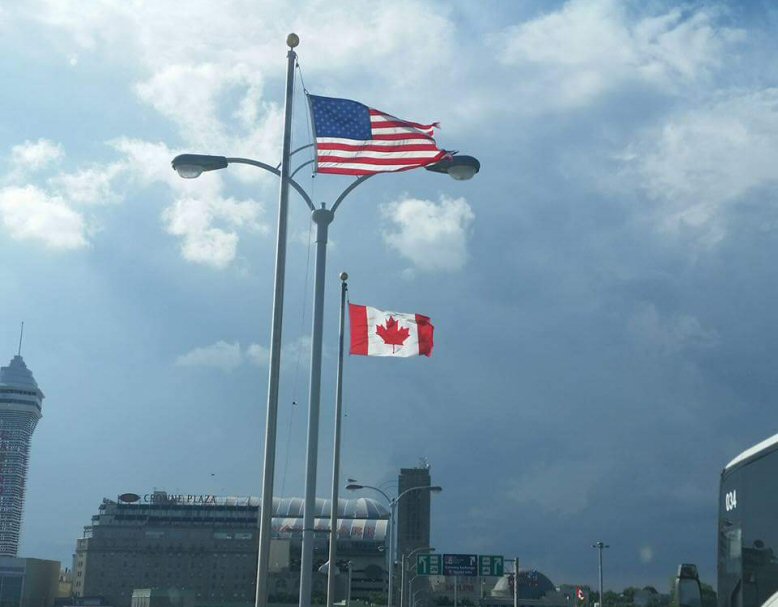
266, 507
336, 450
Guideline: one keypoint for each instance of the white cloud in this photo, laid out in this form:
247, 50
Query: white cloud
415, 34
228, 356
221, 355
646, 554
702, 161
150, 162
29, 213
670, 334
208, 223
193, 219
258, 355
35, 155
204, 71
432, 236
587, 48
93, 185
48, 214
299, 350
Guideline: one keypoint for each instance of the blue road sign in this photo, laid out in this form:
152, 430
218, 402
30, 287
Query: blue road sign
464, 565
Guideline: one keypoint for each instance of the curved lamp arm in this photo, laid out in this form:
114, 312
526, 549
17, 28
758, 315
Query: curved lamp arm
432, 489
277, 172
335, 205
355, 486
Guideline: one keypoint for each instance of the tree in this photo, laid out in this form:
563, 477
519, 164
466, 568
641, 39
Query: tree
709, 598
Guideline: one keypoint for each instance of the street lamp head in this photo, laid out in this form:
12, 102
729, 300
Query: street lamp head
354, 486
457, 167
436, 489
292, 40
190, 166
344, 278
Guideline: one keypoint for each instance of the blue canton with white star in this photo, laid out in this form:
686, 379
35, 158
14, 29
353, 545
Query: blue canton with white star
342, 118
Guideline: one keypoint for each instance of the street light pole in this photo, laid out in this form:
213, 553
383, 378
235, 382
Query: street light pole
322, 218
392, 509
600, 546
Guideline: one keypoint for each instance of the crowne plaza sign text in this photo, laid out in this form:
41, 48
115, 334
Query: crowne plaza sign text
164, 498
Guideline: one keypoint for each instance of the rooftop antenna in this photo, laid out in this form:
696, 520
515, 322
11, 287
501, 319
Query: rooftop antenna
21, 336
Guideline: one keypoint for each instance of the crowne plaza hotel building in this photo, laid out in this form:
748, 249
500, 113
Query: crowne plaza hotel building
208, 545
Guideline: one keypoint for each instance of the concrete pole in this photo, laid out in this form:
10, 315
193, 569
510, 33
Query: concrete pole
402, 580
348, 591
271, 422
336, 450
322, 218
393, 509
602, 596
516, 582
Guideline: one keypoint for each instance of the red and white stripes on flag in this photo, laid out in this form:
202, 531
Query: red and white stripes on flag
353, 139
378, 333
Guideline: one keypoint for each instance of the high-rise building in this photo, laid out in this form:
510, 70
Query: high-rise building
413, 510
20, 410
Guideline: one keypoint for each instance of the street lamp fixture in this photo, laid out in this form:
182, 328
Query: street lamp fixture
460, 168
191, 166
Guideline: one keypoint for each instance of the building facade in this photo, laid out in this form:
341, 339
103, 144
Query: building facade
207, 545
20, 410
28, 582
413, 510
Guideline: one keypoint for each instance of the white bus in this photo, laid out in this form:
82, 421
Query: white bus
748, 528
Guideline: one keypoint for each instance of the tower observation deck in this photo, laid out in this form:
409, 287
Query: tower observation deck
20, 410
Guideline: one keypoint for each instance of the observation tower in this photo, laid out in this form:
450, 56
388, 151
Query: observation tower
20, 410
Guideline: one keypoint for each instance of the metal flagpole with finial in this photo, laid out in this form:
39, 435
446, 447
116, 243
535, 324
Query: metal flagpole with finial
266, 507
333, 570
21, 335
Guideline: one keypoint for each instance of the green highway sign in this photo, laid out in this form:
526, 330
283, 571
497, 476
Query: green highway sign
490, 565
429, 564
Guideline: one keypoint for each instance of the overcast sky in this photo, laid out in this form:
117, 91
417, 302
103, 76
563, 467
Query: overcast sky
603, 292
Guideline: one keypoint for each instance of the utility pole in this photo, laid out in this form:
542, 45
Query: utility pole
600, 546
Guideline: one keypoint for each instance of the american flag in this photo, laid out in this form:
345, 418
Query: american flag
353, 139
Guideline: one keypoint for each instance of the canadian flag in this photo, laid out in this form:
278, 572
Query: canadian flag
378, 333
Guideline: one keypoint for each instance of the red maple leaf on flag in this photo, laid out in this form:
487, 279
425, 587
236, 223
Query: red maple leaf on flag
392, 334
